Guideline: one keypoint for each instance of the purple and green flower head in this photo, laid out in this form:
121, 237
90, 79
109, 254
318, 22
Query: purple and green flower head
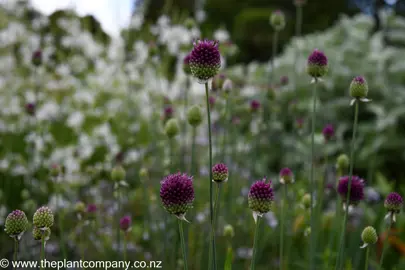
317, 65
38, 233
37, 58
328, 132
219, 173
254, 105
43, 218
125, 223
356, 189
393, 203
186, 64
260, 197
358, 87
205, 60
177, 194
16, 224
286, 176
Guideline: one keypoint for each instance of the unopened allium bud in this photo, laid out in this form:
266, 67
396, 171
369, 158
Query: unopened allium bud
25, 194
229, 231
255, 105
189, 23
228, 86
80, 207
186, 64
219, 173
37, 58
317, 65
369, 236
118, 173
358, 87
286, 176
16, 223
125, 223
177, 194
218, 82
55, 170
393, 203
356, 190
172, 128
194, 116
307, 231
260, 197
38, 233
30, 108
342, 162
43, 217
277, 20
306, 201
205, 60
143, 172
328, 132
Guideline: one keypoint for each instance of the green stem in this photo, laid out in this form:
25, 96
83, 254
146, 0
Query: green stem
125, 246
340, 257
216, 209
385, 243
15, 257
192, 162
312, 243
225, 130
42, 249
298, 23
367, 255
118, 217
275, 43
210, 179
183, 244
185, 101
255, 244
284, 201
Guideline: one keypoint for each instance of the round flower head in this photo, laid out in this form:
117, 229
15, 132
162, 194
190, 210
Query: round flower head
118, 173
43, 218
211, 99
369, 236
168, 112
286, 176
356, 190
328, 132
38, 233
227, 86
229, 231
91, 208
317, 65
205, 60
254, 105
342, 162
393, 203
37, 58
186, 64
194, 116
177, 194
30, 108
125, 223
80, 207
358, 87
277, 20
219, 173
306, 201
284, 80
260, 197
172, 128
16, 223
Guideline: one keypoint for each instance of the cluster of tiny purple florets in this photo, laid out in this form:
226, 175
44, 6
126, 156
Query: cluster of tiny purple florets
177, 193
205, 60
219, 172
260, 197
356, 190
393, 203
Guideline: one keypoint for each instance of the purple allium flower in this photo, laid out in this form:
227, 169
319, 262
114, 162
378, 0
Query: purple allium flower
212, 100
125, 223
30, 108
393, 203
168, 112
277, 20
186, 64
91, 208
218, 82
219, 173
36, 58
358, 87
260, 197
286, 176
317, 65
284, 80
205, 60
177, 194
43, 217
254, 105
328, 132
356, 191
16, 223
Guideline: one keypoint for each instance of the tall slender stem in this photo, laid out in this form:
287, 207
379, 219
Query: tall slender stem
226, 123
255, 244
385, 243
192, 162
216, 209
367, 255
15, 257
312, 243
183, 244
275, 43
118, 217
284, 202
42, 249
185, 122
125, 246
210, 179
298, 21
340, 257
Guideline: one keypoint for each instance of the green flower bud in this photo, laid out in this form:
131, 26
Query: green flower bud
277, 20
38, 233
143, 172
118, 173
194, 116
25, 194
16, 223
342, 162
306, 201
43, 217
358, 87
189, 23
172, 128
229, 231
369, 236
55, 170
80, 207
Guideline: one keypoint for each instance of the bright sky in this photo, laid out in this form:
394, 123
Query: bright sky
113, 14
